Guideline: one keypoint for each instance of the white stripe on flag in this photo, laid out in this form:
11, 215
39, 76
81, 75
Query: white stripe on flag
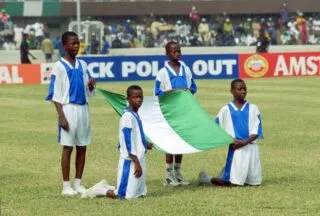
158, 130
32, 8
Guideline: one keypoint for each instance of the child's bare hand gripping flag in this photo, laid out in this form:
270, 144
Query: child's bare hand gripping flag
175, 123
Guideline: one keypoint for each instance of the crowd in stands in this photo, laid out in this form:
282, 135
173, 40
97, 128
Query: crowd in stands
11, 34
283, 28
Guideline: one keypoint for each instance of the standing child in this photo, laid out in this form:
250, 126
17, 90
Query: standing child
173, 76
131, 181
243, 122
70, 88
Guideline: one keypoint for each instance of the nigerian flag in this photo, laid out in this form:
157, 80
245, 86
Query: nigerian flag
175, 122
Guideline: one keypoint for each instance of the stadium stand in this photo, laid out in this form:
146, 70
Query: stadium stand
226, 26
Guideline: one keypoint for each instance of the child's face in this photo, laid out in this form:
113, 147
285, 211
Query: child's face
174, 52
135, 98
239, 91
72, 45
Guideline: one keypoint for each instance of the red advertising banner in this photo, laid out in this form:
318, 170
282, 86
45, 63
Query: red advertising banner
279, 64
20, 74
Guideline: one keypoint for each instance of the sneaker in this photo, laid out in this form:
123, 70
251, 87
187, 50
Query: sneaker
97, 189
80, 190
171, 180
204, 178
181, 180
68, 191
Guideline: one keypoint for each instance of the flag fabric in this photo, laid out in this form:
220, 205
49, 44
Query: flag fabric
175, 122
33, 8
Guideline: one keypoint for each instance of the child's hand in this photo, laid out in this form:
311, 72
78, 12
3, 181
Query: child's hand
137, 170
149, 146
91, 84
238, 144
63, 123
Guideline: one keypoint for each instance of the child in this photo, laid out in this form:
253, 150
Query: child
70, 88
243, 122
175, 75
131, 181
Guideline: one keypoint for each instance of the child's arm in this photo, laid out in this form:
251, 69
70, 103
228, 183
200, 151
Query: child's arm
61, 118
91, 84
241, 143
137, 166
149, 145
157, 89
193, 87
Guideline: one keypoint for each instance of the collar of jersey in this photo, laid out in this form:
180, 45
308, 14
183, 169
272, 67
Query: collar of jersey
70, 65
236, 108
172, 71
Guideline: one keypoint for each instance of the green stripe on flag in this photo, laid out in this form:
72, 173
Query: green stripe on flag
51, 8
191, 122
117, 101
14, 8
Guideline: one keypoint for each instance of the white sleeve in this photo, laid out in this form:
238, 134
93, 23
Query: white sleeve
220, 119
161, 83
127, 144
58, 93
189, 76
256, 122
87, 76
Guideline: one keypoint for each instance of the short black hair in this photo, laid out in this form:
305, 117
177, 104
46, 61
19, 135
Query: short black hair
132, 88
66, 35
235, 81
168, 45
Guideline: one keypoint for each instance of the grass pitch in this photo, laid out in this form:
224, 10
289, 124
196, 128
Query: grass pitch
30, 176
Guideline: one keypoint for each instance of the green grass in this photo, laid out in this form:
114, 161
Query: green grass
30, 177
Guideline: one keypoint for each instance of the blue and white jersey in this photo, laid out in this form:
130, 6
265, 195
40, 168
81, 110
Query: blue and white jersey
131, 136
69, 84
240, 123
167, 79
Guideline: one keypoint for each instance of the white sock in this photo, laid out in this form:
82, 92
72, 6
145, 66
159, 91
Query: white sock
77, 182
177, 166
169, 167
208, 179
66, 184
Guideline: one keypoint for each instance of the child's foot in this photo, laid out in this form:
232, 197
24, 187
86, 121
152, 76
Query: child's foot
204, 178
171, 180
181, 180
100, 189
68, 191
80, 189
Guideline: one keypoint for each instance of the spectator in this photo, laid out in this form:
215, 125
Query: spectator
47, 48
59, 46
203, 30
95, 45
82, 46
194, 16
148, 42
228, 27
24, 51
105, 47
18, 30
39, 34
4, 16
116, 43
284, 14
262, 42
255, 27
